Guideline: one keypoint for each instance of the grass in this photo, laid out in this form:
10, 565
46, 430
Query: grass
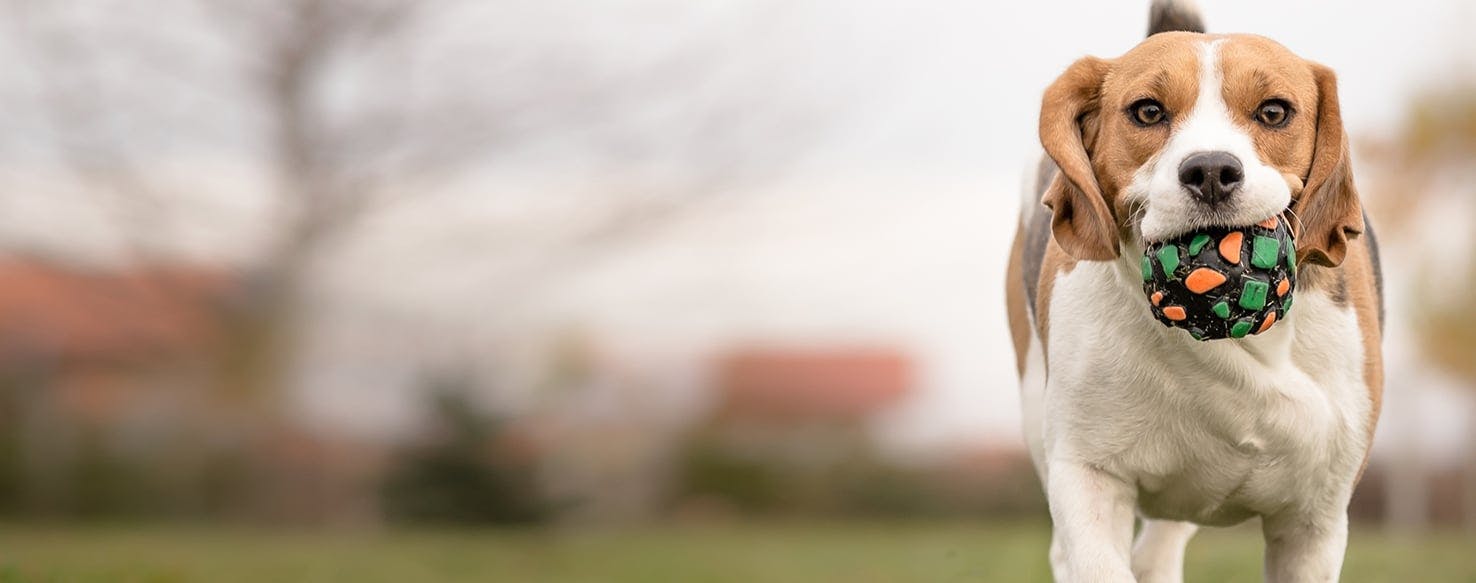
799, 552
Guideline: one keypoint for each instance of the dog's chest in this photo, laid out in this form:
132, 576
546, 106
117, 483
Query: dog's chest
1223, 461
1211, 432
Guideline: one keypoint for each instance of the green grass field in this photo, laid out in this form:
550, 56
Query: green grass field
799, 552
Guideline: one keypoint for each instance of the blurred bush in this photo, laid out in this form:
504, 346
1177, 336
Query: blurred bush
718, 475
709, 473
467, 470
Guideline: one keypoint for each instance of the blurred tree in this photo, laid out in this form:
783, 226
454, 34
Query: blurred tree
347, 107
1429, 166
352, 105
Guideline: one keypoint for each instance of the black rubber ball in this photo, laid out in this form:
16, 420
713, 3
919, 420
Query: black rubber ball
1222, 282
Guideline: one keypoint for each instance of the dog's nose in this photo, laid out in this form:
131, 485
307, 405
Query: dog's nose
1211, 177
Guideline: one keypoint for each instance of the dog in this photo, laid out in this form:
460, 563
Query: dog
1127, 419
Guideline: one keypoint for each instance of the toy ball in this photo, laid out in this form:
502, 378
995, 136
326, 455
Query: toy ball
1222, 282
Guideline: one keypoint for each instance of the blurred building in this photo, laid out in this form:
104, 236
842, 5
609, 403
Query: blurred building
807, 402
95, 366
102, 342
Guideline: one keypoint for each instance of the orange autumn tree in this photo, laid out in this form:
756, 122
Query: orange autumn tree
1429, 164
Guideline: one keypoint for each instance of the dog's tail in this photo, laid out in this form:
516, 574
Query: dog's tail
1170, 15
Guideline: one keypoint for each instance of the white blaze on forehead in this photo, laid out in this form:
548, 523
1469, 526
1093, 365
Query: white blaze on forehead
1209, 127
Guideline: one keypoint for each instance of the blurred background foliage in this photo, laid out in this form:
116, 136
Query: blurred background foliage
467, 472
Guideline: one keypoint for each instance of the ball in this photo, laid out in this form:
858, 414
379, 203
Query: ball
1222, 282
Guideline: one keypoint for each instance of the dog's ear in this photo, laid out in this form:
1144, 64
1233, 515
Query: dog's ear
1328, 211
1081, 221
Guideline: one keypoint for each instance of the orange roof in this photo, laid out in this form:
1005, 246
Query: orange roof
809, 385
53, 311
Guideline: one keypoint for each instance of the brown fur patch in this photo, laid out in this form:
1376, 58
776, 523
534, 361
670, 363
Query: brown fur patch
1166, 68
1363, 292
1082, 221
1255, 70
1015, 300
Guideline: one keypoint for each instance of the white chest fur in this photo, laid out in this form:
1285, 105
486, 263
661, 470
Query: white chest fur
1211, 432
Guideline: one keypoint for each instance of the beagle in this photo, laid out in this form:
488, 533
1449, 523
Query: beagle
1128, 419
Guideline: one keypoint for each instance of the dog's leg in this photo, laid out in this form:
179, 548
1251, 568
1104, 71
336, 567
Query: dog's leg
1158, 556
1092, 512
1304, 548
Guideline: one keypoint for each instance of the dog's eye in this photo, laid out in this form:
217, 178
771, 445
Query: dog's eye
1274, 113
1147, 112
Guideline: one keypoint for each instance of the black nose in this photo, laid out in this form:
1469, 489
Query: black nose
1211, 177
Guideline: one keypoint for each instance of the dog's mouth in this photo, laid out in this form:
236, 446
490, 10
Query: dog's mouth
1208, 220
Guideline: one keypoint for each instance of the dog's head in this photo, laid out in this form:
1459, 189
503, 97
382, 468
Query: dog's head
1188, 130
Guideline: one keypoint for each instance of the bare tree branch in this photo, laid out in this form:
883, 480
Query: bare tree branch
351, 115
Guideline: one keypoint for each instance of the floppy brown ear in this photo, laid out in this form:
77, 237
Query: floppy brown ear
1081, 220
1328, 211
